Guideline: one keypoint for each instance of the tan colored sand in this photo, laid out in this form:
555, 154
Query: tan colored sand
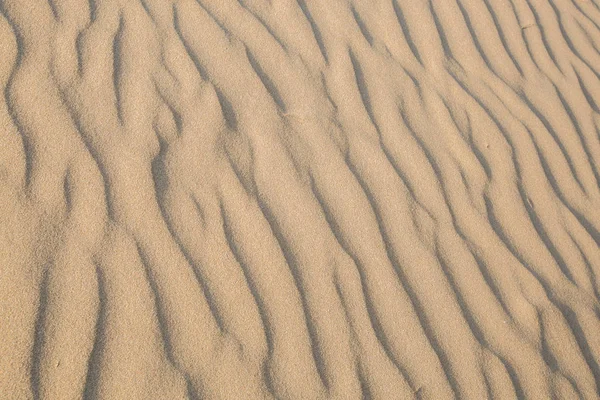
299, 199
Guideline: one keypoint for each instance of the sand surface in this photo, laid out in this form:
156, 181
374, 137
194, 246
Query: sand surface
299, 199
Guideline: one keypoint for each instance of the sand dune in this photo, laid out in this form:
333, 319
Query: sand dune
300, 199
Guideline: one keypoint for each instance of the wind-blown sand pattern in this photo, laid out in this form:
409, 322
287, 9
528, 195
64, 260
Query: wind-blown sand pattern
300, 199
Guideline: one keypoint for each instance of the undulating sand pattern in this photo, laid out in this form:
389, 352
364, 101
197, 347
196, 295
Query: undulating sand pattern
300, 199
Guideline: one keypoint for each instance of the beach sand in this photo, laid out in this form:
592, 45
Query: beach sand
299, 199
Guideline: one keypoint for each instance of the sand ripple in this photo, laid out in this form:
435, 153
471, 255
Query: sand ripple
300, 199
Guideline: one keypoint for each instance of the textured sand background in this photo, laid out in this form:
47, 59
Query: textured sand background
299, 199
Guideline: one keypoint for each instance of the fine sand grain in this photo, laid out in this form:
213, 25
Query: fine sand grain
299, 199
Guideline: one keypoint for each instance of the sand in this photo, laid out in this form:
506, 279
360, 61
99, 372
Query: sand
299, 199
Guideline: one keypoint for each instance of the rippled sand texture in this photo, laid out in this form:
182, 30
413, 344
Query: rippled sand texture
300, 199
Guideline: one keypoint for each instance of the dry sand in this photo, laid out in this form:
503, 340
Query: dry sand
299, 199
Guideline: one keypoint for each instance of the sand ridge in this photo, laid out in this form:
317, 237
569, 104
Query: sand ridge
299, 199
